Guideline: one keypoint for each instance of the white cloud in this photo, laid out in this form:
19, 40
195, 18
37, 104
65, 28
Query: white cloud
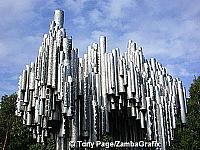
11, 11
184, 72
171, 33
7, 88
79, 21
75, 6
178, 70
95, 34
96, 16
116, 9
17, 51
3, 50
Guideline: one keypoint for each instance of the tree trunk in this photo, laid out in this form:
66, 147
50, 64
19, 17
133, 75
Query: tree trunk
5, 141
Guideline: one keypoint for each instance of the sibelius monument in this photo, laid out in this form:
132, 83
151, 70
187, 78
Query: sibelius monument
123, 95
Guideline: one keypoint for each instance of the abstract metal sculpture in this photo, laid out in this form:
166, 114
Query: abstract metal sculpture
69, 98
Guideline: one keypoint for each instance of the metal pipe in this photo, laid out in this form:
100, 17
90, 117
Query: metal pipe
72, 98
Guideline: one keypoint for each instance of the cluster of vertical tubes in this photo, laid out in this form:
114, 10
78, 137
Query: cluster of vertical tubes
68, 98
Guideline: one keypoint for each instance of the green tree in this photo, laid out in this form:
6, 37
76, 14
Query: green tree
50, 145
37, 146
188, 137
13, 134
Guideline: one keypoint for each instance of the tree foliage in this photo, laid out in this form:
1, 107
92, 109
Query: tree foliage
188, 137
13, 134
37, 146
51, 144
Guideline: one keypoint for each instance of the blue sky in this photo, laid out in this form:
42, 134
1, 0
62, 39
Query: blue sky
167, 30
